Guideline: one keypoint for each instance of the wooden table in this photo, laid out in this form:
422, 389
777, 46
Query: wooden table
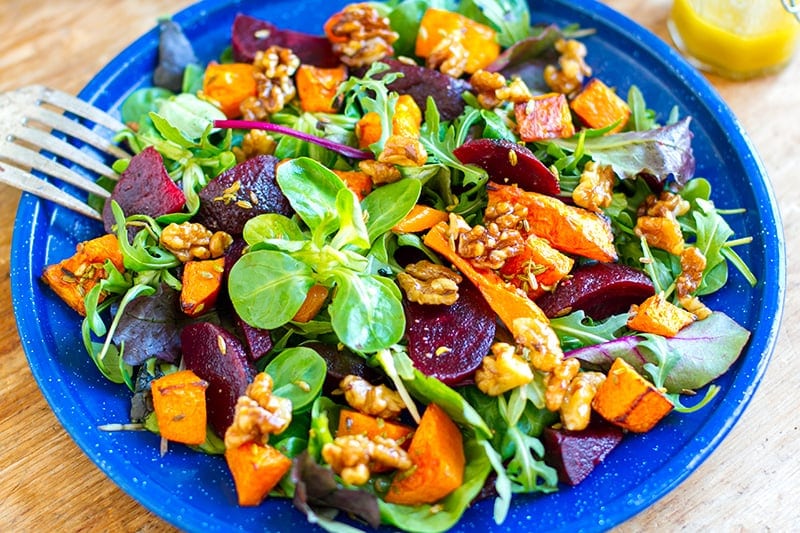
48, 484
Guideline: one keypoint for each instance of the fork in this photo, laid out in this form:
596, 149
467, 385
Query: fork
37, 118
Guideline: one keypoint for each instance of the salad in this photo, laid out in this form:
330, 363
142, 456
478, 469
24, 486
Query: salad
288, 299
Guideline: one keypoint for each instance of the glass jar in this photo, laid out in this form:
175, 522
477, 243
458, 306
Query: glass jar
738, 39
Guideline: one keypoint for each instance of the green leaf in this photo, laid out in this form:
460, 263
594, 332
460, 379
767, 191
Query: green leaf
366, 312
310, 188
268, 287
387, 205
269, 227
577, 327
298, 375
352, 229
188, 114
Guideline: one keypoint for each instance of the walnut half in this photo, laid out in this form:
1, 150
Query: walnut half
428, 283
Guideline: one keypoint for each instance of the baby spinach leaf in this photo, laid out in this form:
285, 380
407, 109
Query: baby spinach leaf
366, 313
298, 374
268, 287
387, 205
311, 189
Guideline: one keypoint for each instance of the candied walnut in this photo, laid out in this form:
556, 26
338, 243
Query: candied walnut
516, 92
254, 142
572, 70
660, 232
380, 173
449, 56
189, 241
502, 371
258, 414
403, 150
369, 399
507, 215
576, 410
360, 35
540, 341
664, 205
596, 187
558, 382
428, 283
274, 68
490, 246
693, 263
695, 306
354, 456
485, 85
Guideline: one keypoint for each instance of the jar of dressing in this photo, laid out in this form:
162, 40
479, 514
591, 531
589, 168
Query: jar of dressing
738, 39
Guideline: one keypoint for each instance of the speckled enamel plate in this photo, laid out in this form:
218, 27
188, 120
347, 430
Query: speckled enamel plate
195, 492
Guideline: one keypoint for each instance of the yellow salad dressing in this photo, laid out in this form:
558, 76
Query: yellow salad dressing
735, 38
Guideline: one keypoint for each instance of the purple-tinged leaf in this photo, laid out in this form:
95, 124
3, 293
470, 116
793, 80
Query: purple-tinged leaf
659, 153
527, 58
149, 326
706, 349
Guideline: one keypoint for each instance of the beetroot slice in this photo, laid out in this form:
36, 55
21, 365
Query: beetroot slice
144, 188
240, 193
449, 342
251, 35
218, 357
420, 83
574, 454
599, 290
342, 362
523, 168
257, 341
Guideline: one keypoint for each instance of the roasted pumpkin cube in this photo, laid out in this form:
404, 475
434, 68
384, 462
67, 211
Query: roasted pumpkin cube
256, 470
75, 276
437, 451
316, 87
598, 106
657, 315
543, 117
540, 261
179, 401
228, 85
479, 40
628, 400
201, 283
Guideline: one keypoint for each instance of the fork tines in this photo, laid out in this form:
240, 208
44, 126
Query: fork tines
32, 119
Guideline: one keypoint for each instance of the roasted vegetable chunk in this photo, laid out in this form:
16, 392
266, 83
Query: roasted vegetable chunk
179, 400
73, 277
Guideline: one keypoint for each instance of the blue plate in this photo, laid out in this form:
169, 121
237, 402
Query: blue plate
195, 492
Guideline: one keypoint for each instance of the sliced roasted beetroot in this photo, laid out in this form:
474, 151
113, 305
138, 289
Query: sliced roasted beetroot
599, 290
449, 342
574, 454
144, 188
251, 35
342, 362
257, 341
508, 162
420, 83
240, 193
218, 357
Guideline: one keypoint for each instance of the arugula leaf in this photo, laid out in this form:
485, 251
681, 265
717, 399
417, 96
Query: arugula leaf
576, 329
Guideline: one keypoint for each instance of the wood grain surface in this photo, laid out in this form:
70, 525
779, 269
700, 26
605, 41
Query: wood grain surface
750, 483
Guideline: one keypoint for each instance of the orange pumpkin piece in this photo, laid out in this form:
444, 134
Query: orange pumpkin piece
659, 316
538, 260
356, 423
479, 40
179, 401
598, 106
628, 400
358, 182
567, 228
315, 299
407, 117
420, 218
73, 277
317, 86
256, 470
543, 117
201, 283
368, 129
437, 451
228, 85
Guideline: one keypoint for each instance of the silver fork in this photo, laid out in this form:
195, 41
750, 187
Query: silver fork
32, 119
